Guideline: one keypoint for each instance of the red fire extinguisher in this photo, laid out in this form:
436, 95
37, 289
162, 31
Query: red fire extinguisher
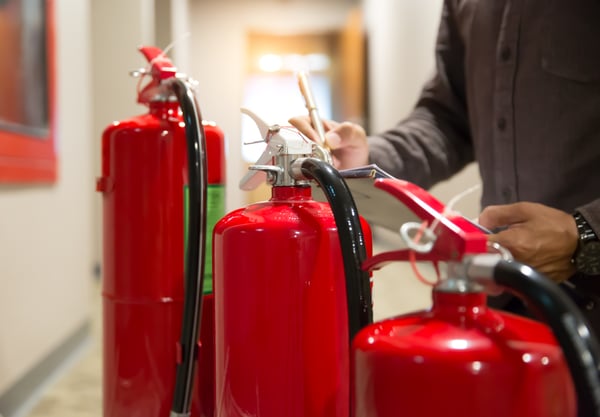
284, 317
160, 171
461, 358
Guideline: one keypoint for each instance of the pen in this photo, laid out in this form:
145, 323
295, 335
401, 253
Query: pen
311, 105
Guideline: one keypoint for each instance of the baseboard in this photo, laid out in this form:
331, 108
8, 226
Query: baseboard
19, 399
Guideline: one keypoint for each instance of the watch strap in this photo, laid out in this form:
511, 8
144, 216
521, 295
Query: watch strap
587, 255
585, 231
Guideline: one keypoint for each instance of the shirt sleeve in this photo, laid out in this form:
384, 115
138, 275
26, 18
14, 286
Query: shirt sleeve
434, 141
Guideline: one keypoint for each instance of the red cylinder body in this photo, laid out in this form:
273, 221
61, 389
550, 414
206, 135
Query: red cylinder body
460, 359
144, 186
281, 337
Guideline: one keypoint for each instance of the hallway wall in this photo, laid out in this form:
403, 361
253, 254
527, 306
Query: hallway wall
46, 231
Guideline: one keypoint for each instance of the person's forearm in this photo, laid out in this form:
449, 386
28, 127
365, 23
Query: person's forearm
427, 147
434, 141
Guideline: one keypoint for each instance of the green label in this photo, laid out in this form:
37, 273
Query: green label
215, 204
215, 207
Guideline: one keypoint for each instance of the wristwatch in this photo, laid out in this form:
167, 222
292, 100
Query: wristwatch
587, 255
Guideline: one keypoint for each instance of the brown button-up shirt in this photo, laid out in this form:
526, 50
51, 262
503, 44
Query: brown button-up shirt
517, 88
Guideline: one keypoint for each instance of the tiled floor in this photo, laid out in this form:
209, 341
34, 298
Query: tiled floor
78, 392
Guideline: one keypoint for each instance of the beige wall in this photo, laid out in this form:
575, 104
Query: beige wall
46, 231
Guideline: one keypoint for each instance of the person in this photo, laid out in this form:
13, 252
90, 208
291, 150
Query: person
517, 89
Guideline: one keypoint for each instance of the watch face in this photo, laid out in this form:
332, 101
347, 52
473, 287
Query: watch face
588, 258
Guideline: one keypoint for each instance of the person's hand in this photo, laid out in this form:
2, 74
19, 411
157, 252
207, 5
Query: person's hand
347, 141
537, 235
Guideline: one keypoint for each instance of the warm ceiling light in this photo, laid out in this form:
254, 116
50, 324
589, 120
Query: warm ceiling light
270, 63
293, 62
318, 62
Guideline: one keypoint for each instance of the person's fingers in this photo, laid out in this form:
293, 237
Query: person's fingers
347, 141
347, 134
302, 123
330, 124
334, 131
540, 236
493, 217
333, 139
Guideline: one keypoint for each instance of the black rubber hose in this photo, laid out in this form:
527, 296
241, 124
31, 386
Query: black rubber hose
551, 304
195, 247
352, 241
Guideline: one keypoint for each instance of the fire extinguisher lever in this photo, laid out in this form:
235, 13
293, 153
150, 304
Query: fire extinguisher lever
448, 236
160, 68
271, 171
284, 145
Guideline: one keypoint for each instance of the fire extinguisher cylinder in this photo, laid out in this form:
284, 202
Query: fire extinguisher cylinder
462, 358
281, 304
162, 188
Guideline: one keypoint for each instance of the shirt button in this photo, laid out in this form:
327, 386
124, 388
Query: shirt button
501, 124
506, 194
505, 53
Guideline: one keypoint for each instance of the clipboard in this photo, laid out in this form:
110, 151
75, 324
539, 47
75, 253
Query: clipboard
376, 206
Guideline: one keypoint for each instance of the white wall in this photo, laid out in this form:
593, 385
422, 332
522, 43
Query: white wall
46, 231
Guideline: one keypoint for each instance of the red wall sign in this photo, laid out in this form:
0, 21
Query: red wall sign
27, 92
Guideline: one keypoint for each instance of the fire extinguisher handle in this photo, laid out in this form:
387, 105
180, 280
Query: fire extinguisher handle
161, 66
256, 174
280, 143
